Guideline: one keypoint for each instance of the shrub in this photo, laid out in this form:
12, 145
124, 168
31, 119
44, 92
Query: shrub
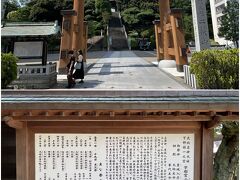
216, 69
134, 43
9, 69
153, 41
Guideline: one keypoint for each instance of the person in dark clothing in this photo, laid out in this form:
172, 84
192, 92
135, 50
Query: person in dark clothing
70, 70
79, 73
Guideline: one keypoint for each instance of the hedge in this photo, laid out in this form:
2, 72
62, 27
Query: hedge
8, 69
216, 69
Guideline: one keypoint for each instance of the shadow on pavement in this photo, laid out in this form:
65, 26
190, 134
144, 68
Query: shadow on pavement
87, 84
105, 73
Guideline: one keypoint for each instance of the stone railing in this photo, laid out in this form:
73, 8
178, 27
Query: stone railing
36, 76
189, 78
26, 70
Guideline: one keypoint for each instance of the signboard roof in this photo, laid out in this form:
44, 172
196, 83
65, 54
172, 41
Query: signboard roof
29, 29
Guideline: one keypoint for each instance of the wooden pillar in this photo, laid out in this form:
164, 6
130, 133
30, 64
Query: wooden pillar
207, 153
164, 11
85, 34
22, 158
44, 52
66, 39
182, 48
178, 39
175, 40
78, 23
157, 38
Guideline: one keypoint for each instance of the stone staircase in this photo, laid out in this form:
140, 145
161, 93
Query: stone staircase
117, 33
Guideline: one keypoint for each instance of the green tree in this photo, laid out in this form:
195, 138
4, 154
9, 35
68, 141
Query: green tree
130, 17
146, 18
139, 20
229, 28
94, 18
10, 6
216, 69
22, 14
104, 8
226, 159
8, 69
46, 10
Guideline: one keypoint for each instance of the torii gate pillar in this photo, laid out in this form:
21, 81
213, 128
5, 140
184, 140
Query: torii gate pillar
170, 42
73, 33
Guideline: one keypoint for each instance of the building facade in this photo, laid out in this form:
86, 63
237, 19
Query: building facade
217, 7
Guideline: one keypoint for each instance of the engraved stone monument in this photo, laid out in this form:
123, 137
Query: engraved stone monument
200, 24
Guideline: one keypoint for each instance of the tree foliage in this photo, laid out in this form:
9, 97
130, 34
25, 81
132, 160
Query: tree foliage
215, 69
138, 15
229, 28
138, 19
131, 8
46, 10
103, 7
8, 69
130, 17
22, 14
10, 6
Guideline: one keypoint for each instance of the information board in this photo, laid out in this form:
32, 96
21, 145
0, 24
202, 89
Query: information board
114, 156
28, 49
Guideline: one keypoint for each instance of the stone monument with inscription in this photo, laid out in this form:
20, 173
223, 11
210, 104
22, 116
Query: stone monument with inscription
200, 24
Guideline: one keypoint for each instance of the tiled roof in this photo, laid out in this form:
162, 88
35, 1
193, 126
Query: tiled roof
29, 29
207, 97
121, 105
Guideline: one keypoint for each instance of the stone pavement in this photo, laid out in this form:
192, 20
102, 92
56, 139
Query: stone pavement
123, 70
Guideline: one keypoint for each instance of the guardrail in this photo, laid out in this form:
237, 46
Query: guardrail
189, 78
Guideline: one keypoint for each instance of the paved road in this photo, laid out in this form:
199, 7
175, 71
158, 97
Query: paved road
124, 70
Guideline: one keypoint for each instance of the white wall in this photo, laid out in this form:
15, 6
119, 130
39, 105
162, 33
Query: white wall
215, 16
